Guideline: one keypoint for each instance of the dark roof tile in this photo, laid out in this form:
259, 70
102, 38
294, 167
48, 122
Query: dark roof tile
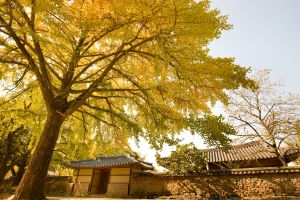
248, 151
110, 162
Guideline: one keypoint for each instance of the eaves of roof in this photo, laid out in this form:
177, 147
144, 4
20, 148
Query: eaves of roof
120, 161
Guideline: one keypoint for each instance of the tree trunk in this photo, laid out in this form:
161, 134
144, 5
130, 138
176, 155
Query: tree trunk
281, 158
31, 186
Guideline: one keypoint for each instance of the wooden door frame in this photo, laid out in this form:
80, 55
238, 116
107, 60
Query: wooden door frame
92, 180
108, 171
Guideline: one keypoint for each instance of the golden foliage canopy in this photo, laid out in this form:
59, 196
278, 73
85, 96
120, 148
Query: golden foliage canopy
138, 67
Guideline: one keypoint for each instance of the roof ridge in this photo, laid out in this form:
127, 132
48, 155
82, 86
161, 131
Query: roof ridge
81, 160
124, 160
233, 146
114, 156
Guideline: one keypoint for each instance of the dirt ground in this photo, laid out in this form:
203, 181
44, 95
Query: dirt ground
101, 198
5, 197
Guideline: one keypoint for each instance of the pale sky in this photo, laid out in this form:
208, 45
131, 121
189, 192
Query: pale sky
266, 34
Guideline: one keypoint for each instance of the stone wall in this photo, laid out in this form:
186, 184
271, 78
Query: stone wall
58, 185
257, 182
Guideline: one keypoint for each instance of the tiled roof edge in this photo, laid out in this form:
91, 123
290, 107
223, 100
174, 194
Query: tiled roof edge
237, 146
74, 161
130, 161
259, 170
115, 156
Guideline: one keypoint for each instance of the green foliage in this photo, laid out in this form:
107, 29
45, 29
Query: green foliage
185, 159
212, 129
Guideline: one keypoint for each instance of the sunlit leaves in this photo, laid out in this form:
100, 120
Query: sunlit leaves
214, 131
138, 68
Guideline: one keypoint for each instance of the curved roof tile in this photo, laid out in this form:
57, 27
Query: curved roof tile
110, 162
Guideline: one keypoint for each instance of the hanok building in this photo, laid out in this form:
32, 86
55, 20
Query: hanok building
106, 175
248, 155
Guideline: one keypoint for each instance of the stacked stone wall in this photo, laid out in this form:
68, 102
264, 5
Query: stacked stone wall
242, 183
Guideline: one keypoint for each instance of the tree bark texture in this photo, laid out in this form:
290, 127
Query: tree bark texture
31, 186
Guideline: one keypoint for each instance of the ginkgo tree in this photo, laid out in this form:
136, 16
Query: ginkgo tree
139, 67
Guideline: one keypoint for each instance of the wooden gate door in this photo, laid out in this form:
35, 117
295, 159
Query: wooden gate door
103, 181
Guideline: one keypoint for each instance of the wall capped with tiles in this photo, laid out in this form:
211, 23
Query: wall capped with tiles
257, 182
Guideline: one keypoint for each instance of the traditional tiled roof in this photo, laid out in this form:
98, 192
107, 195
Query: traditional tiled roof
248, 151
112, 162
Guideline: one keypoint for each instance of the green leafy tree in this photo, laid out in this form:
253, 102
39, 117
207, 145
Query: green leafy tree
139, 68
214, 131
186, 159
